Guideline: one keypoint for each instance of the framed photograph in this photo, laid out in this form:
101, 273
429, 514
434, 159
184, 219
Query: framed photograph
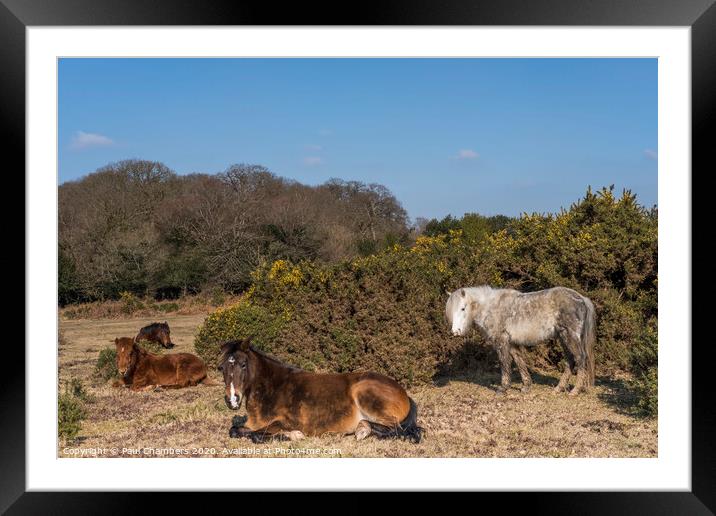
423, 249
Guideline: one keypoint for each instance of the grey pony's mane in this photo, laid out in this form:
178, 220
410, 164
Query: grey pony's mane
478, 293
481, 291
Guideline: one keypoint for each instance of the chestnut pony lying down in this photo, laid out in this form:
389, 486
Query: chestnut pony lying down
142, 370
288, 403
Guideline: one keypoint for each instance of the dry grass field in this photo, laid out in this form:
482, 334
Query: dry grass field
462, 416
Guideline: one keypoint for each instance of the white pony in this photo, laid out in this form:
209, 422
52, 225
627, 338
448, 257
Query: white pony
508, 318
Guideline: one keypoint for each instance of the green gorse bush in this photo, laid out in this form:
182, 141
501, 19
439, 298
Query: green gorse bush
151, 346
106, 366
644, 365
71, 409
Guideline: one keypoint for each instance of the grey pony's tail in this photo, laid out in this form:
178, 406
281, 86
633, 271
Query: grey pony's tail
589, 337
407, 429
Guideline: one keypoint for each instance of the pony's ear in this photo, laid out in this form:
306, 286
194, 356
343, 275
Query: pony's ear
116, 340
462, 292
245, 344
448, 292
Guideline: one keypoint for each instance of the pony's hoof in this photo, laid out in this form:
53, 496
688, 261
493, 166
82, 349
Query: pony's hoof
363, 430
257, 438
557, 390
238, 421
526, 388
362, 433
500, 392
295, 435
234, 432
574, 392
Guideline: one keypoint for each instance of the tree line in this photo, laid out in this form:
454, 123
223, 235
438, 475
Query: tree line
137, 226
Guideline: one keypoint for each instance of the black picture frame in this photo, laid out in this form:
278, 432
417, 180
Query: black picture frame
700, 15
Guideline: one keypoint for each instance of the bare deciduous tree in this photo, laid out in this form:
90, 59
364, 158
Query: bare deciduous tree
136, 225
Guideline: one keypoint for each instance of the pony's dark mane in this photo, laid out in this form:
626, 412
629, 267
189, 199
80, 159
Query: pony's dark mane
136, 353
274, 360
233, 346
155, 325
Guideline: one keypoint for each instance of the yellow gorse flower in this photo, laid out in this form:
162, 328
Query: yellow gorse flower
285, 274
426, 244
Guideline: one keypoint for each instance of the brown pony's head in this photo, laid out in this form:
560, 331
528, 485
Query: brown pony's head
126, 354
163, 335
234, 364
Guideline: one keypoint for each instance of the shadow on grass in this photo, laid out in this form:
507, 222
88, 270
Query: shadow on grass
490, 378
477, 363
617, 393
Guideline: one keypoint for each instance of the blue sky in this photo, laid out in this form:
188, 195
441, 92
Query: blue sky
447, 136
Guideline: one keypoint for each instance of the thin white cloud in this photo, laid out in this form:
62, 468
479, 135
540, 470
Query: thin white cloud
651, 154
325, 132
315, 148
83, 140
467, 154
312, 161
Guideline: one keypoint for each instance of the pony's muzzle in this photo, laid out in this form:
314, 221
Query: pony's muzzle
234, 403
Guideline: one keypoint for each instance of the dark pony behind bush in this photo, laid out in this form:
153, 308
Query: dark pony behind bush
141, 370
156, 332
288, 403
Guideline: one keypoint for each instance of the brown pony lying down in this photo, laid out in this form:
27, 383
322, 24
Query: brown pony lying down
285, 402
156, 332
142, 370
